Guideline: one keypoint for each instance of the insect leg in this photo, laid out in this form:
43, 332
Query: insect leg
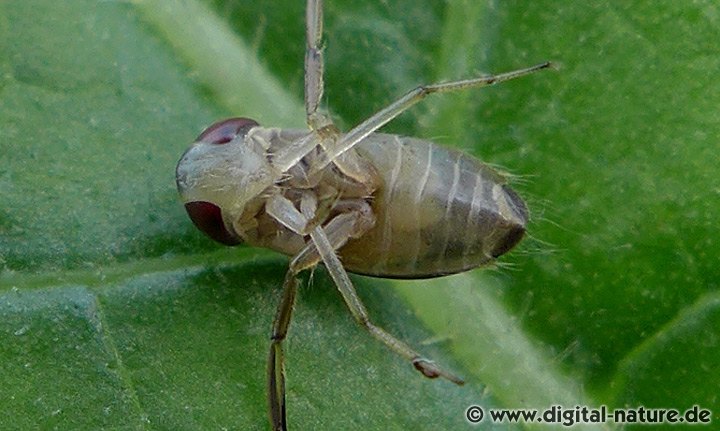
325, 240
288, 156
339, 230
301, 222
276, 368
348, 162
342, 281
410, 98
307, 258
314, 65
282, 209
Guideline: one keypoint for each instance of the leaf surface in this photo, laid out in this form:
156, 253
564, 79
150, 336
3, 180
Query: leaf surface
117, 314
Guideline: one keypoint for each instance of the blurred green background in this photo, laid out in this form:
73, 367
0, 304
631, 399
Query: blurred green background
117, 314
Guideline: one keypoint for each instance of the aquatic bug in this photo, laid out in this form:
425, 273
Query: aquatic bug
391, 206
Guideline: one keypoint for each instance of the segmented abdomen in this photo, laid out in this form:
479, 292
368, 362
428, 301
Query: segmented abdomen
438, 211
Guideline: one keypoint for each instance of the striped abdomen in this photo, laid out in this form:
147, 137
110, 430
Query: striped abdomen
438, 211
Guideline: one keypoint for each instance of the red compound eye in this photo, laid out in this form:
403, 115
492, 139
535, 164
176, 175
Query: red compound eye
225, 131
208, 218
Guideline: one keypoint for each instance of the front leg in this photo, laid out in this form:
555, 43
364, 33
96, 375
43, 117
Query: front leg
339, 230
276, 369
314, 65
359, 312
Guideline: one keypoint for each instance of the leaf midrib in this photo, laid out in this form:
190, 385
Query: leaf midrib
101, 275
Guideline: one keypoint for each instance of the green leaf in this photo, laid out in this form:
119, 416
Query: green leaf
116, 313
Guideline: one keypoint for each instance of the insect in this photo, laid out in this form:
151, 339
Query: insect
391, 206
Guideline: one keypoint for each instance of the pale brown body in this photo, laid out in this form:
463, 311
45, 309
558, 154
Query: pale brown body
434, 210
437, 212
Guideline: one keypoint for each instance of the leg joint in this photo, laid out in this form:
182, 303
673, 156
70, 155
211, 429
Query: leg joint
424, 90
365, 321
